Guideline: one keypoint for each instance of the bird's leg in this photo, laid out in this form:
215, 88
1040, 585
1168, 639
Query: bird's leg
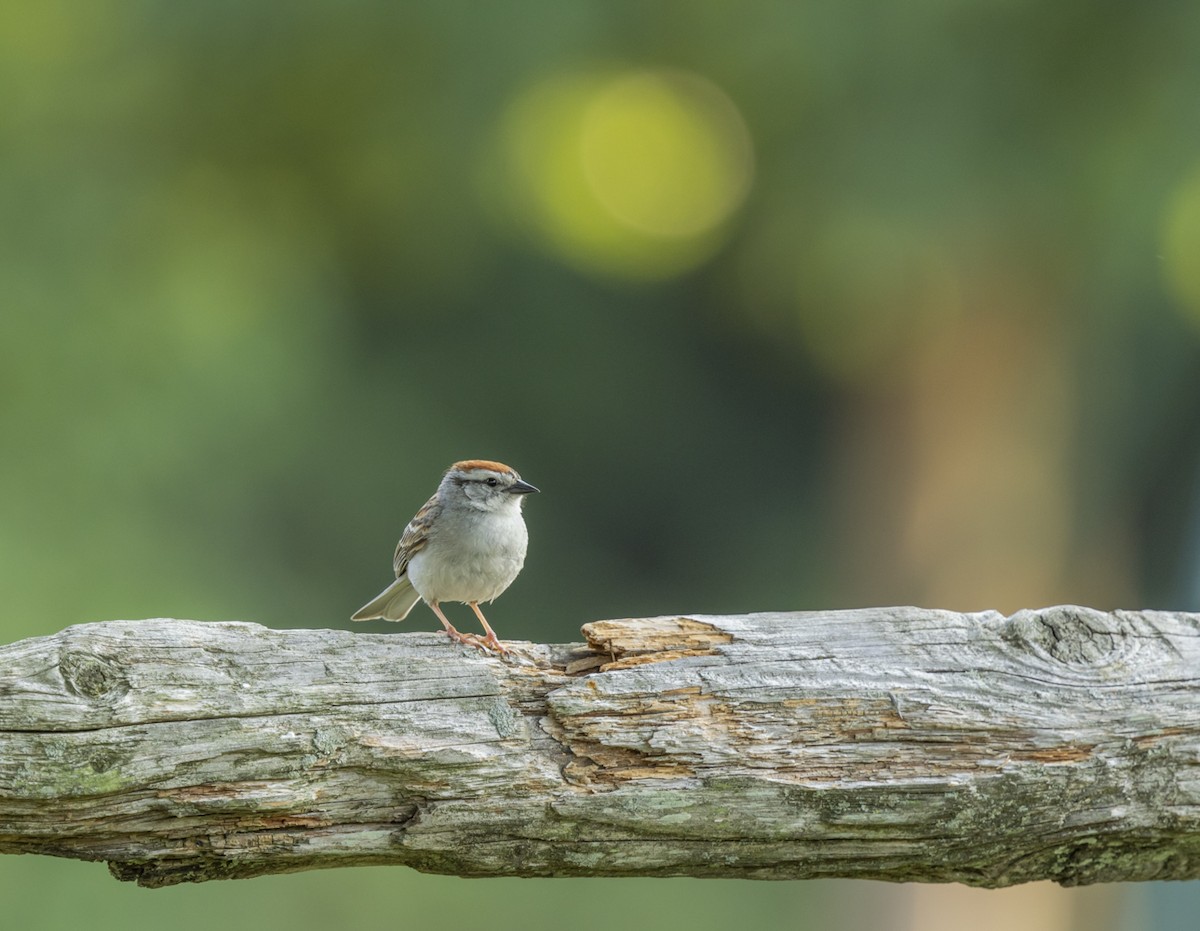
491, 639
451, 632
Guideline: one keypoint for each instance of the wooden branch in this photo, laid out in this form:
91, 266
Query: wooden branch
897, 744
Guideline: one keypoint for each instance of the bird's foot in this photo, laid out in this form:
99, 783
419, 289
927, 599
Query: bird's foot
474, 640
491, 641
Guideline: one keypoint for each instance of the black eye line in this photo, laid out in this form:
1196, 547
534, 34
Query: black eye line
490, 480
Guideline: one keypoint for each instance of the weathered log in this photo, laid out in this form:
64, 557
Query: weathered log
896, 743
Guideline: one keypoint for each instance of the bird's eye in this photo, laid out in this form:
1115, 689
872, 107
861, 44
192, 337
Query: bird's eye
491, 481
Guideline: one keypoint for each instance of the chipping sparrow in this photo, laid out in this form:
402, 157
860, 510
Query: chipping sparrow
466, 544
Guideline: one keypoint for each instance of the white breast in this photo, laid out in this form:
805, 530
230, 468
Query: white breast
471, 559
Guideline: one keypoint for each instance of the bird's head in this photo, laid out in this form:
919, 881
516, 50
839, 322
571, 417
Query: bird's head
486, 485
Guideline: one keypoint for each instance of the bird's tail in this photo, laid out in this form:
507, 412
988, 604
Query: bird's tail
391, 604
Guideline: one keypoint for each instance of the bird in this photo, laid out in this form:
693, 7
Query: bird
467, 544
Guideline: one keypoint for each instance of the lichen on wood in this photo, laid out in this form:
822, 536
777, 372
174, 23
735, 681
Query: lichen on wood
895, 743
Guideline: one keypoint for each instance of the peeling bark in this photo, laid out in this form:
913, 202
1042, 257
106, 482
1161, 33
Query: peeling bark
897, 744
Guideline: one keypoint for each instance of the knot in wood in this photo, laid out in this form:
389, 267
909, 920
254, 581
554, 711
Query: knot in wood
1071, 635
91, 676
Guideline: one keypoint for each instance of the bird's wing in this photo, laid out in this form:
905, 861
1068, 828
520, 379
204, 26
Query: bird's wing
416, 534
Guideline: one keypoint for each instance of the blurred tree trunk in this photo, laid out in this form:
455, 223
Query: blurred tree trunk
895, 743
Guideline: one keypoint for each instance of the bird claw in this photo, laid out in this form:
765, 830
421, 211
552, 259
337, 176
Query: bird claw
474, 640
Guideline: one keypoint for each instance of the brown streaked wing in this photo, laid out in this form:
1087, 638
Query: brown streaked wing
416, 534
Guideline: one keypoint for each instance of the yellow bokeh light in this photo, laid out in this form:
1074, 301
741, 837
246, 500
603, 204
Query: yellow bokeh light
667, 154
1181, 245
631, 174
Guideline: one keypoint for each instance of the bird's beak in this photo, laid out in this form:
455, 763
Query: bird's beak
521, 488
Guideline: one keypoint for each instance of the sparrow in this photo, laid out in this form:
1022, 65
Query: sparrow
467, 543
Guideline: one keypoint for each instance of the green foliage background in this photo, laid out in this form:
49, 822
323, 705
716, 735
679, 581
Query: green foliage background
265, 270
